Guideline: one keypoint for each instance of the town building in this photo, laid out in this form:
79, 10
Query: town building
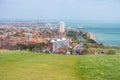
56, 44
59, 44
62, 27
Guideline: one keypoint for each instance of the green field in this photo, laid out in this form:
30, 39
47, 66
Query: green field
15, 65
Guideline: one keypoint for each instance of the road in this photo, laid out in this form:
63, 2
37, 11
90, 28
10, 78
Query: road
78, 49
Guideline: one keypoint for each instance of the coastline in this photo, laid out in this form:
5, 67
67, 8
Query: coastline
92, 36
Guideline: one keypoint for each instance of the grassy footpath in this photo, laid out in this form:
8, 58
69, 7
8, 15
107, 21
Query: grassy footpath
33, 66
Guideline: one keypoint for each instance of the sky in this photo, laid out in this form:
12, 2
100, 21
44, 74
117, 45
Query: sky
60, 9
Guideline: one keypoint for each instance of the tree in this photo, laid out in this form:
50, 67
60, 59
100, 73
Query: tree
19, 47
29, 47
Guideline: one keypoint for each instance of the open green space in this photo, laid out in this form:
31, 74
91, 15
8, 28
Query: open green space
16, 65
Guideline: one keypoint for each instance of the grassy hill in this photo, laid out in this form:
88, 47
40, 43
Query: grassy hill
15, 65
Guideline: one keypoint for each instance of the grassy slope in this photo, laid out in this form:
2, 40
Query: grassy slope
99, 67
27, 66
31, 66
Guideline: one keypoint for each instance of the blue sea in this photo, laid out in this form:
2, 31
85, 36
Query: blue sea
106, 33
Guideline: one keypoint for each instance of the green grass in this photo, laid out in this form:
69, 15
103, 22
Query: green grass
15, 65
101, 67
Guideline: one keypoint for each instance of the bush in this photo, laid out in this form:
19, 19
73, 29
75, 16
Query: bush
111, 52
84, 52
91, 41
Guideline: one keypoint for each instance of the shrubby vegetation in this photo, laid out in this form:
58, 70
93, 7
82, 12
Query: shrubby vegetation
38, 47
85, 52
111, 52
72, 34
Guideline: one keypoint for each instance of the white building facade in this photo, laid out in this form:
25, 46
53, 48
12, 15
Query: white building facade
59, 43
62, 27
